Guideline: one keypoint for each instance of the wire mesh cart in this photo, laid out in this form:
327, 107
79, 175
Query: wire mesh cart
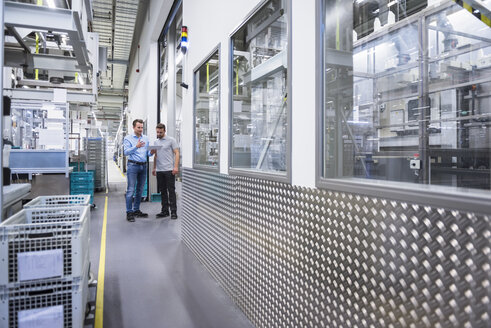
45, 276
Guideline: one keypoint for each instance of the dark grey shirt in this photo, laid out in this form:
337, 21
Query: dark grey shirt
165, 154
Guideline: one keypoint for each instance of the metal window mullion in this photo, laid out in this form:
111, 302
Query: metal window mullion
1, 106
424, 112
171, 82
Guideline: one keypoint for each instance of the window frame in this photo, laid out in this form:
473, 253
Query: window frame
165, 30
252, 173
216, 49
473, 200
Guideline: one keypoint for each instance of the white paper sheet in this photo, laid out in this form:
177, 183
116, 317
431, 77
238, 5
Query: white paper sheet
59, 95
48, 317
40, 265
51, 137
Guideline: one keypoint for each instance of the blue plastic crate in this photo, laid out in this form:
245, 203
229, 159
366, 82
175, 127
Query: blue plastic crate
79, 190
82, 192
82, 180
87, 184
82, 176
156, 197
78, 166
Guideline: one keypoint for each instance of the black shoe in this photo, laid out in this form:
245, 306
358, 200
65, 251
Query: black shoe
130, 216
173, 216
140, 214
162, 214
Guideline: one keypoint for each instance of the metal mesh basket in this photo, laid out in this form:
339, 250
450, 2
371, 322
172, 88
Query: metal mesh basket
59, 201
67, 297
35, 231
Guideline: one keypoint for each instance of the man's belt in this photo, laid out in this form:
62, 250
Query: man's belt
135, 162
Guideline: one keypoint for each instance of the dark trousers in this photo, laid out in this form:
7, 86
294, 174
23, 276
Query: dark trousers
166, 182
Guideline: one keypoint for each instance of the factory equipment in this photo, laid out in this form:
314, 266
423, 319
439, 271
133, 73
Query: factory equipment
420, 106
39, 133
96, 159
259, 86
207, 105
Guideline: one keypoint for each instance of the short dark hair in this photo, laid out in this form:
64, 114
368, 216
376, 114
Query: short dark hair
137, 121
161, 126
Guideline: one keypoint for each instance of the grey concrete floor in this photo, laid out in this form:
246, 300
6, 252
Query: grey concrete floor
151, 278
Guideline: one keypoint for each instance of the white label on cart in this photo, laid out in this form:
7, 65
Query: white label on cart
40, 265
48, 317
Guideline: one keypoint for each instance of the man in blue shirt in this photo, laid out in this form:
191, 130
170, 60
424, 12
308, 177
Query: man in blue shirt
136, 149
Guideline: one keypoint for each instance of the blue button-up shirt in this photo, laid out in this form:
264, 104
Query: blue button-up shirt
134, 153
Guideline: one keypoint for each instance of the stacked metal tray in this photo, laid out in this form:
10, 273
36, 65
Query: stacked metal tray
96, 157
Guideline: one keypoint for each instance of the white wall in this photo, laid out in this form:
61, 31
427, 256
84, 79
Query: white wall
303, 93
142, 92
210, 23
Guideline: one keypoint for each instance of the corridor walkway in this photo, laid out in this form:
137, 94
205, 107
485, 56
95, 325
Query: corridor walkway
151, 278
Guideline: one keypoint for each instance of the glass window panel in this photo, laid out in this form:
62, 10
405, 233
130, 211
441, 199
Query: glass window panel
206, 106
407, 93
259, 87
178, 81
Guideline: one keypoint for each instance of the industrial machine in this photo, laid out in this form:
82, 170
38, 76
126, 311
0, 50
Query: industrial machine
259, 87
39, 133
420, 108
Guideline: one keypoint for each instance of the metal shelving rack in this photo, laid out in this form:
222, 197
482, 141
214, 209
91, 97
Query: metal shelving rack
96, 157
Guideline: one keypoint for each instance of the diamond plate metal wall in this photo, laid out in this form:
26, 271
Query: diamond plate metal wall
208, 222
302, 257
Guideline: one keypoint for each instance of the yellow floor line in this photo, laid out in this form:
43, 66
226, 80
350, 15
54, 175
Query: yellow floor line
99, 308
120, 172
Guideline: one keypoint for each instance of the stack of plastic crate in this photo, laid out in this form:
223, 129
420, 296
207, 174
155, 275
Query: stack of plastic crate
45, 271
96, 157
82, 183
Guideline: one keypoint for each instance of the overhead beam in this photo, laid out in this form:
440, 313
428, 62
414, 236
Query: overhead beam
40, 18
58, 63
19, 39
118, 62
110, 99
44, 94
88, 9
19, 58
47, 84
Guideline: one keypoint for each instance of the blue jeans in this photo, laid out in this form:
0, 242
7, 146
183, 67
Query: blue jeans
136, 175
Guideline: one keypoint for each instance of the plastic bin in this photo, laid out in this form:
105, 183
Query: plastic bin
35, 236
82, 176
156, 197
77, 166
59, 201
65, 301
